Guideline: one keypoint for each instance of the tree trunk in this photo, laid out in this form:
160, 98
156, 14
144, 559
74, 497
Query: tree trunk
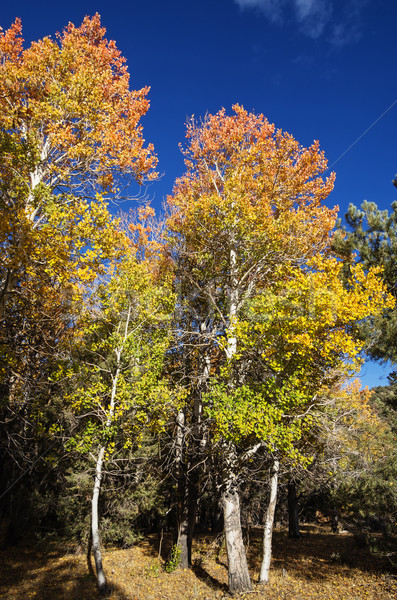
7, 288
293, 522
189, 457
184, 539
188, 483
239, 577
182, 532
268, 528
36, 178
335, 520
187, 522
96, 547
217, 518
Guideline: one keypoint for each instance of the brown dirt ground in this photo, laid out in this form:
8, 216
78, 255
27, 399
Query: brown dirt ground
320, 565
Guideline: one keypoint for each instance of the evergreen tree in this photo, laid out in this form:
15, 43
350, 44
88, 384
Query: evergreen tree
371, 239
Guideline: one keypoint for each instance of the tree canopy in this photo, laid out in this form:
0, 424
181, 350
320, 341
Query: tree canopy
177, 355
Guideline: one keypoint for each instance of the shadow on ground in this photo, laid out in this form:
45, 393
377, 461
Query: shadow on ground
315, 561
202, 574
26, 572
317, 553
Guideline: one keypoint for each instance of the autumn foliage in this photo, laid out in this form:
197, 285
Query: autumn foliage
250, 237
247, 179
70, 128
200, 355
71, 100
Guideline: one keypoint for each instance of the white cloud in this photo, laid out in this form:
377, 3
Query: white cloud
305, 8
347, 29
343, 34
273, 9
314, 18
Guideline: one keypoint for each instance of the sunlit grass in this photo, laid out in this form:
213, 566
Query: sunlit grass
320, 566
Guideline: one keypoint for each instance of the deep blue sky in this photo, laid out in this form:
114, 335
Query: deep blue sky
320, 69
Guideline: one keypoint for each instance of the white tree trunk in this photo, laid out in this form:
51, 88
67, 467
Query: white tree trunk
268, 528
36, 177
96, 545
231, 348
239, 577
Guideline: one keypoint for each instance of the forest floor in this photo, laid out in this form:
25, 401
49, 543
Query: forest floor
318, 566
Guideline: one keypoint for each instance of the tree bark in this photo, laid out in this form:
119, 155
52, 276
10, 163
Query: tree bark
188, 475
187, 522
293, 521
182, 533
189, 457
268, 527
239, 577
96, 546
36, 177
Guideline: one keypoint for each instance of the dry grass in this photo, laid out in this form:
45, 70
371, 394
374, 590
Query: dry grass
320, 565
